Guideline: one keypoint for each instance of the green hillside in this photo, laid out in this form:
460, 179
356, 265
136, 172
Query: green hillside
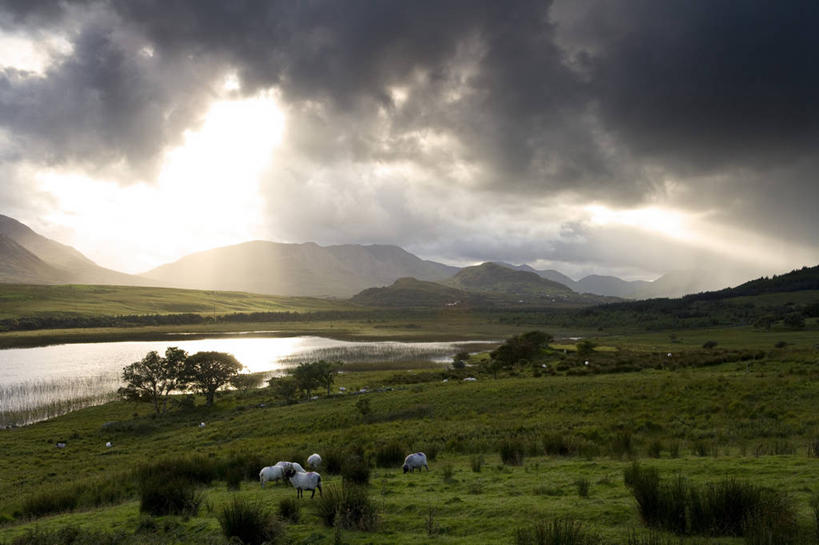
753, 420
412, 293
491, 277
18, 300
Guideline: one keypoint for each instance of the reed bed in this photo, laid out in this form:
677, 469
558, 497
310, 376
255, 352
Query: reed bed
31, 401
376, 352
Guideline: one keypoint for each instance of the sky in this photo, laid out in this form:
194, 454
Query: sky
611, 137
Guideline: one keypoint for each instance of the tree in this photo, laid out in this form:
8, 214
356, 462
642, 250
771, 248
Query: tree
527, 346
307, 377
285, 388
325, 372
459, 360
794, 320
585, 348
153, 378
209, 371
246, 381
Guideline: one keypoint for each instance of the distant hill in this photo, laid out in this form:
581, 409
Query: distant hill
297, 269
30, 258
412, 293
494, 278
672, 284
806, 278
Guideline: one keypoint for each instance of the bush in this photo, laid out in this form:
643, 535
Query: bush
447, 473
771, 522
583, 486
355, 470
250, 522
241, 466
726, 508
390, 455
557, 532
69, 535
348, 507
511, 452
655, 448
290, 509
159, 496
556, 444
333, 460
476, 462
194, 469
709, 344
45, 503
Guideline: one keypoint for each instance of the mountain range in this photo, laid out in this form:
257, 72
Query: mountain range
309, 269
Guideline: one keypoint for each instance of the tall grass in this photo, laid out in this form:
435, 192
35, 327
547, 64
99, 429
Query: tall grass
251, 523
377, 353
556, 532
32, 401
725, 508
348, 507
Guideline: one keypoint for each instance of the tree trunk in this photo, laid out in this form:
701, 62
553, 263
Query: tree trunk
209, 395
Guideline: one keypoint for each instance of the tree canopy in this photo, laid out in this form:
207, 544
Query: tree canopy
154, 377
206, 372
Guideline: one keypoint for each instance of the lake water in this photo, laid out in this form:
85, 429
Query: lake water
53, 375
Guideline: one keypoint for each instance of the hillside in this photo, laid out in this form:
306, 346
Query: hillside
16, 262
413, 293
54, 263
671, 284
18, 300
524, 285
297, 269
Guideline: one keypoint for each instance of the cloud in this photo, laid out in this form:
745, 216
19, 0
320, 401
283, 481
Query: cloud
470, 129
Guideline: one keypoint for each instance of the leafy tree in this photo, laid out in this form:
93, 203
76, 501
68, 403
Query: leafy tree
794, 320
285, 388
459, 360
527, 346
154, 377
585, 348
310, 375
246, 381
325, 372
209, 371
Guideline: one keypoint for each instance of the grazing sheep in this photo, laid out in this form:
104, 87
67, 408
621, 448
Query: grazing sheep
415, 461
294, 465
270, 473
108, 444
302, 481
314, 460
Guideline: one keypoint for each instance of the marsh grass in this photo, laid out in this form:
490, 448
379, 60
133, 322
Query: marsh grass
349, 507
32, 401
250, 522
556, 532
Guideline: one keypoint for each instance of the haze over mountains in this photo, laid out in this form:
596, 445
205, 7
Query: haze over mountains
309, 269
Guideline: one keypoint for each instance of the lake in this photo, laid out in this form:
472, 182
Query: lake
50, 380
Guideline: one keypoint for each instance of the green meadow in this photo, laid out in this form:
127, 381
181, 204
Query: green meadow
505, 453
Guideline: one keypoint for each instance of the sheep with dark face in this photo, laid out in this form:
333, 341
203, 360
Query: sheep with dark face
415, 461
302, 481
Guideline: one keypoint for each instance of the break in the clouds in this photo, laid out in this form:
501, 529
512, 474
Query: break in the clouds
630, 137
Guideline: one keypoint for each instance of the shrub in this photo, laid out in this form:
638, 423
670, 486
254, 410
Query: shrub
476, 462
622, 444
290, 509
159, 496
655, 448
557, 532
250, 522
348, 507
45, 503
555, 444
195, 469
814, 505
511, 452
333, 460
355, 470
709, 344
447, 472
69, 535
389, 455
583, 486
241, 466
771, 521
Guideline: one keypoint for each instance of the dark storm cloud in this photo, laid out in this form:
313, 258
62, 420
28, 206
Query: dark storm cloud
607, 100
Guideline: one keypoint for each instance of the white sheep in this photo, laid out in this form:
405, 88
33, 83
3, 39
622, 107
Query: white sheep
302, 481
415, 461
270, 473
314, 460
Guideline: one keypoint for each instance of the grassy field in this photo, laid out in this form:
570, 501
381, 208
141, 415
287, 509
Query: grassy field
18, 300
753, 421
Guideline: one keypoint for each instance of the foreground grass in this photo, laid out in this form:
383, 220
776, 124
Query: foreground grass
753, 422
